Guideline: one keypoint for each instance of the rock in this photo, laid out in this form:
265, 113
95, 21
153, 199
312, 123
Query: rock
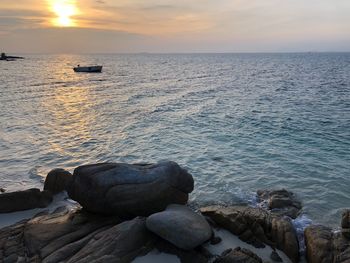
324, 245
257, 227
281, 202
215, 240
198, 255
23, 200
275, 257
238, 255
57, 180
180, 226
346, 233
76, 236
130, 190
345, 221
2, 190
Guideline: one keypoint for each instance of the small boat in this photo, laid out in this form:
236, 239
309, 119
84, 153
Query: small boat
89, 69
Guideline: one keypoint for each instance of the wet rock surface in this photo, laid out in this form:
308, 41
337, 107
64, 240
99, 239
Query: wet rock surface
281, 202
180, 226
324, 245
57, 180
24, 200
238, 255
130, 190
257, 227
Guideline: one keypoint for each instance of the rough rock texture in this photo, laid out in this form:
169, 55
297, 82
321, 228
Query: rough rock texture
75, 237
130, 190
281, 202
57, 180
238, 255
323, 245
180, 226
345, 224
257, 227
23, 200
345, 220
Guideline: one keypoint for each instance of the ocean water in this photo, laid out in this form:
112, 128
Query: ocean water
237, 122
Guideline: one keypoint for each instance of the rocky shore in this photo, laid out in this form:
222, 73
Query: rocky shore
128, 212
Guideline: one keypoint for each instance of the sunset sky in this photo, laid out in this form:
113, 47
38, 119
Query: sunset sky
104, 26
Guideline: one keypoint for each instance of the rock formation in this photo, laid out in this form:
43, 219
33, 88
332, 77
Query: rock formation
238, 255
57, 180
324, 245
257, 227
281, 202
130, 190
180, 226
23, 200
75, 237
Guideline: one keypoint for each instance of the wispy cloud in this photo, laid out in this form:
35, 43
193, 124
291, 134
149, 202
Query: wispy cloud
220, 23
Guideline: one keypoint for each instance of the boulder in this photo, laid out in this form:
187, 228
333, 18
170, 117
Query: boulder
75, 236
130, 190
238, 255
323, 245
24, 200
180, 226
345, 224
257, 227
281, 202
57, 180
345, 220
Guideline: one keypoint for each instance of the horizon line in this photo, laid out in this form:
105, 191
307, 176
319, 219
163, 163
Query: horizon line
174, 53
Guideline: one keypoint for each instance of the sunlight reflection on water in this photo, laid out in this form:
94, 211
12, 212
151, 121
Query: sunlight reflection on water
239, 122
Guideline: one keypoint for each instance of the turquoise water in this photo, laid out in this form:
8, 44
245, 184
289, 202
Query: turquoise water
238, 122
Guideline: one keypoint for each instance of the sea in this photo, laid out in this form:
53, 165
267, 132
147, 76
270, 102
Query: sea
237, 122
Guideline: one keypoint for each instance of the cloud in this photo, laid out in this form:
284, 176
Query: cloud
230, 25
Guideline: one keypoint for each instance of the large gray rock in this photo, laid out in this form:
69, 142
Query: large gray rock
180, 226
323, 245
130, 190
257, 227
23, 200
78, 237
57, 180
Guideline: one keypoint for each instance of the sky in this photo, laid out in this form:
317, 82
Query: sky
167, 26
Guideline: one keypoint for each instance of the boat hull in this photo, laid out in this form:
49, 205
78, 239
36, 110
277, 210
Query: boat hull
91, 69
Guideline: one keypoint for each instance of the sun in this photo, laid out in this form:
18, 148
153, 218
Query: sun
64, 10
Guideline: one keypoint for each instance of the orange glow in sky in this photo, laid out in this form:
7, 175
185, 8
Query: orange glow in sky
64, 10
